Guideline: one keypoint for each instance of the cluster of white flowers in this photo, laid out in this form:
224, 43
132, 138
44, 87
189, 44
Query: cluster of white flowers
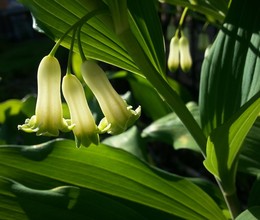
179, 54
48, 119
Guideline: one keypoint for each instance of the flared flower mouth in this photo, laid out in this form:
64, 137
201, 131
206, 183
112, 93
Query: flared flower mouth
48, 119
118, 114
85, 129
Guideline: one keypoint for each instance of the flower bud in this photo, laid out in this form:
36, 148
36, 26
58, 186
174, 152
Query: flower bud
85, 129
185, 57
118, 115
48, 118
173, 59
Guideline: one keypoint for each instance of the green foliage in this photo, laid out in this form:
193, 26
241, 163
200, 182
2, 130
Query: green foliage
45, 178
222, 153
105, 170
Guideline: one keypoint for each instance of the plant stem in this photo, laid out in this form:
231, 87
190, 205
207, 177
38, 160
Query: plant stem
231, 201
69, 67
183, 15
169, 95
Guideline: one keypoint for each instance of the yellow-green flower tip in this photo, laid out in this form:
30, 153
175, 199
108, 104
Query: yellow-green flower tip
118, 115
85, 129
48, 119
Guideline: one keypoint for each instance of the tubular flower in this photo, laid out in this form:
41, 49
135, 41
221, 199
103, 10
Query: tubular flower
185, 57
118, 115
173, 59
85, 129
48, 118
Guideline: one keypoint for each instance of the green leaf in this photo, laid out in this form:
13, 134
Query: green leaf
97, 36
252, 213
254, 199
249, 159
106, 170
64, 202
214, 10
129, 141
147, 96
225, 142
171, 130
230, 73
8, 108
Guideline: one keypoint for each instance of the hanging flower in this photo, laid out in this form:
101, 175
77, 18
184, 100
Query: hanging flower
118, 115
85, 129
185, 57
173, 59
48, 118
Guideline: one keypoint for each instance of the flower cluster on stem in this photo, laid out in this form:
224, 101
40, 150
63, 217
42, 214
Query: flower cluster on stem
48, 119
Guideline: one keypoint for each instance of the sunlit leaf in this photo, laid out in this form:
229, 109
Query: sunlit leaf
106, 170
97, 36
225, 142
252, 213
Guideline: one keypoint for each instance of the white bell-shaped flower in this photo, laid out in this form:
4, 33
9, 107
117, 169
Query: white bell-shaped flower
85, 129
48, 118
118, 114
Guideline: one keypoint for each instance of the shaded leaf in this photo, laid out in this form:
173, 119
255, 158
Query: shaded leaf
230, 73
214, 10
249, 159
149, 99
171, 130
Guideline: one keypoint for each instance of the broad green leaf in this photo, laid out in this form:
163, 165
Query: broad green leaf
129, 141
63, 202
249, 158
230, 73
171, 130
225, 142
97, 36
106, 170
252, 213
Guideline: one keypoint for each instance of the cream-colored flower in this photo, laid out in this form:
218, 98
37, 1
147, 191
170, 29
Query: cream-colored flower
118, 115
185, 57
48, 118
174, 59
85, 129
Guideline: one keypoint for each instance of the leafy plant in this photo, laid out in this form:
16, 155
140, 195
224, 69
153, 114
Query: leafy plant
47, 177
